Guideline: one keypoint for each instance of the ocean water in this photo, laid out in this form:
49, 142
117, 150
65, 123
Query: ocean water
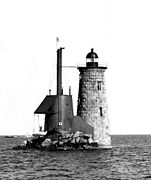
130, 158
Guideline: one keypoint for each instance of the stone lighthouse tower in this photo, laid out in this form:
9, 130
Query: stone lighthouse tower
92, 101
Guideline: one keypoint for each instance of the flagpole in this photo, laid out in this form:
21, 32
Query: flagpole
57, 43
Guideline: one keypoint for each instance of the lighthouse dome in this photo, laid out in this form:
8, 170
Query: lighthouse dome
91, 55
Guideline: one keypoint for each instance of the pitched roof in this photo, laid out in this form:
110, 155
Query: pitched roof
46, 105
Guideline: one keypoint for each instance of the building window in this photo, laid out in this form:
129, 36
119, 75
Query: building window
99, 85
101, 113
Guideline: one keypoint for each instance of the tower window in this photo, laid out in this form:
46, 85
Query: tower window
83, 99
99, 85
101, 113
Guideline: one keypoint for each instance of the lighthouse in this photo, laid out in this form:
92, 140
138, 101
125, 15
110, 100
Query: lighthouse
91, 124
89, 129
92, 99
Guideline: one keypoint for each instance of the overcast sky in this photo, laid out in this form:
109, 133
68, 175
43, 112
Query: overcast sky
118, 30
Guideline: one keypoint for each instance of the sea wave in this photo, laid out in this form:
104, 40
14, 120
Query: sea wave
130, 158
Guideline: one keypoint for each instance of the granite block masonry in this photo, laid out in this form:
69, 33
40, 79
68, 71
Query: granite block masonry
92, 99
